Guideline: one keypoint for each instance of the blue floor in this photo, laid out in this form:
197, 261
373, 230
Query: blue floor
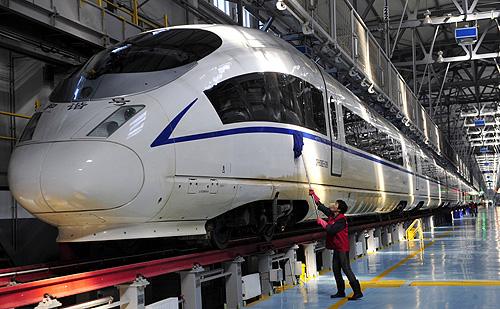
445, 272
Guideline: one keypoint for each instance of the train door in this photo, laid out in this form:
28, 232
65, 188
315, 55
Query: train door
335, 133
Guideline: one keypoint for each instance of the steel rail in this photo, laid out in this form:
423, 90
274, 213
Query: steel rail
29, 293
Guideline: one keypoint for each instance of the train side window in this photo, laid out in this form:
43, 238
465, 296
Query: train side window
429, 169
290, 102
365, 136
228, 102
254, 95
352, 127
390, 148
269, 96
315, 112
333, 116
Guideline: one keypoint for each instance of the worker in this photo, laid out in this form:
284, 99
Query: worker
338, 241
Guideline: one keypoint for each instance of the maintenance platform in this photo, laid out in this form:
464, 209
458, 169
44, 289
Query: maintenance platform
454, 267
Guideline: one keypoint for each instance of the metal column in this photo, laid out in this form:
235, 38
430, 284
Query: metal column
291, 256
310, 254
327, 258
378, 237
352, 246
429, 224
132, 295
12, 133
397, 232
234, 291
385, 236
370, 241
191, 287
265, 266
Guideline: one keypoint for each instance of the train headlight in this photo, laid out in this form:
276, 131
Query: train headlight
30, 128
115, 120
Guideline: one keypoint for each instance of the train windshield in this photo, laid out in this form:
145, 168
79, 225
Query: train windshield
153, 54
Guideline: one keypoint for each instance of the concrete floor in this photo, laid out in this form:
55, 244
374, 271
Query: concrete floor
455, 267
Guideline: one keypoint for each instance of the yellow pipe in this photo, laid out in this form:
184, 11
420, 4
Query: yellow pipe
165, 20
15, 115
135, 16
8, 138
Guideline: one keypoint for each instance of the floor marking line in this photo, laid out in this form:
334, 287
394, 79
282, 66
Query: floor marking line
344, 300
457, 283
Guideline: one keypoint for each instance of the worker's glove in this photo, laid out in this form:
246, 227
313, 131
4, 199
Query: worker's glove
321, 222
314, 196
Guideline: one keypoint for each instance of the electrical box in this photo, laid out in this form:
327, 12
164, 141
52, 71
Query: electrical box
251, 286
276, 275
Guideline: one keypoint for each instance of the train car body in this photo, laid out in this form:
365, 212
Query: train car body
178, 127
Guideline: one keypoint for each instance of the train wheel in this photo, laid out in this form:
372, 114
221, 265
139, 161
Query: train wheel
220, 235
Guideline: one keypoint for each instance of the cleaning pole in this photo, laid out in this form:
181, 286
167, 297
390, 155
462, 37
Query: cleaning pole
310, 187
298, 145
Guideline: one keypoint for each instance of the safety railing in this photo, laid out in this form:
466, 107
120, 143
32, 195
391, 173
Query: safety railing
98, 21
15, 115
132, 14
414, 229
11, 138
337, 23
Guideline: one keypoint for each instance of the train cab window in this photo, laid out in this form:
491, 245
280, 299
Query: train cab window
152, 51
269, 96
30, 127
363, 135
333, 116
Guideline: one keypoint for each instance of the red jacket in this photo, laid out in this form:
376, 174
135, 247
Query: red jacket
336, 230
337, 240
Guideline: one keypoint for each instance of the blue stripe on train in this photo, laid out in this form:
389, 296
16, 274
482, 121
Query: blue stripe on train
165, 139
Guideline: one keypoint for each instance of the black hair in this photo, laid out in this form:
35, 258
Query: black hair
342, 206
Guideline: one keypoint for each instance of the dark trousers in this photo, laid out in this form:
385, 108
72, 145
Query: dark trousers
341, 262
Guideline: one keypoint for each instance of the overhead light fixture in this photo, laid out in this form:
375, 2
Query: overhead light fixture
440, 58
427, 18
280, 5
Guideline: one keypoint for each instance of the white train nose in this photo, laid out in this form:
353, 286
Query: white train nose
83, 175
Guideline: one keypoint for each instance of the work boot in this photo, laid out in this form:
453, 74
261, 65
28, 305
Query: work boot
356, 288
338, 295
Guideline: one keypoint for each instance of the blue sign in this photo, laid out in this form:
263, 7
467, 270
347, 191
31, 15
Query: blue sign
483, 149
466, 33
479, 122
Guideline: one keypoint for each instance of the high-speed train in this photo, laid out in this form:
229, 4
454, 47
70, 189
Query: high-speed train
191, 130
